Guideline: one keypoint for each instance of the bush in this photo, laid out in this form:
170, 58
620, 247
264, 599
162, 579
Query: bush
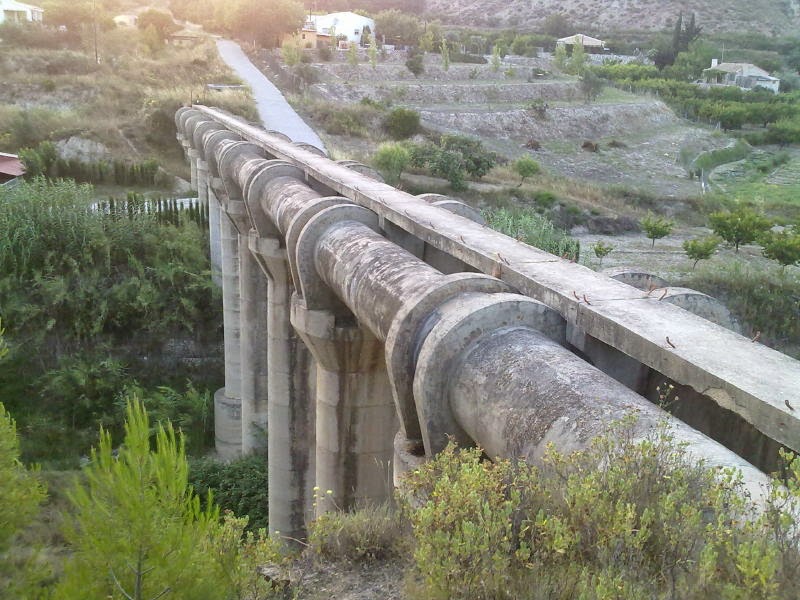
762, 298
601, 250
545, 199
401, 123
477, 160
525, 167
368, 534
239, 486
783, 247
624, 519
415, 64
535, 230
391, 160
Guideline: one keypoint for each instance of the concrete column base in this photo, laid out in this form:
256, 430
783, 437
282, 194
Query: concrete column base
227, 426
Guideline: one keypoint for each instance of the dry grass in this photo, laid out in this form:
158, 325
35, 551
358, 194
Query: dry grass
126, 102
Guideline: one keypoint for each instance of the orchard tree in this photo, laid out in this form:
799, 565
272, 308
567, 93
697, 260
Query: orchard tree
783, 247
700, 249
656, 228
738, 227
496, 58
445, 51
525, 167
391, 160
601, 250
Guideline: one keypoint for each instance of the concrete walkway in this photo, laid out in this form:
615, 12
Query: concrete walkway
273, 109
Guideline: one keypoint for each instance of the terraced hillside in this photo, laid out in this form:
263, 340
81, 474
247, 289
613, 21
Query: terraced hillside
639, 137
602, 16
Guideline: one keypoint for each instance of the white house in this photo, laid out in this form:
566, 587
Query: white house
348, 24
743, 75
12, 11
589, 43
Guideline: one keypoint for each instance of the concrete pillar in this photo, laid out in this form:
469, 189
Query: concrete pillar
228, 405
214, 232
194, 156
290, 411
254, 386
356, 420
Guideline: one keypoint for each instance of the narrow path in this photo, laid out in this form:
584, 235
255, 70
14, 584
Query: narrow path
273, 109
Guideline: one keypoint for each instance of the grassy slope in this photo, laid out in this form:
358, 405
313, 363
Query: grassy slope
126, 102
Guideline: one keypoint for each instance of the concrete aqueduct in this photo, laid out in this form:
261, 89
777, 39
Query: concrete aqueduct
364, 325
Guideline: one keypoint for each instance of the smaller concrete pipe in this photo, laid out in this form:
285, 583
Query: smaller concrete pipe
370, 274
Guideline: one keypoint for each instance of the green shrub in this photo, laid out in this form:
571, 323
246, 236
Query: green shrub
525, 167
533, 229
656, 228
545, 199
415, 64
477, 160
737, 227
783, 247
368, 534
239, 486
762, 298
625, 519
391, 160
401, 123
700, 249
601, 250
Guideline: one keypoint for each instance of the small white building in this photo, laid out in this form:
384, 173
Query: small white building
590, 44
12, 11
348, 24
743, 75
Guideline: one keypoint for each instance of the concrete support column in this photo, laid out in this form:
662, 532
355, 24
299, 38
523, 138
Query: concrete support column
228, 404
194, 156
254, 386
214, 233
290, 411
356, 419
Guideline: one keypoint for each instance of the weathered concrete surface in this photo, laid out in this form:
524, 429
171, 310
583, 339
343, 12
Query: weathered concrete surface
515, 391
752, 380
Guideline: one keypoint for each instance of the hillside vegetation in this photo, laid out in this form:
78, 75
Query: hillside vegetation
767, 16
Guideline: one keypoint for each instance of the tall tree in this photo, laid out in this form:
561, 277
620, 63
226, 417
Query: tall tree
137, 530
264, 22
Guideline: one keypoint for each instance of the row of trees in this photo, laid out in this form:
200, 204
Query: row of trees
736, 228
731, 107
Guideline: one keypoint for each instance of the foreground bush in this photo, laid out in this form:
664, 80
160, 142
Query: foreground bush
622, 520
368, 534
239, 486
